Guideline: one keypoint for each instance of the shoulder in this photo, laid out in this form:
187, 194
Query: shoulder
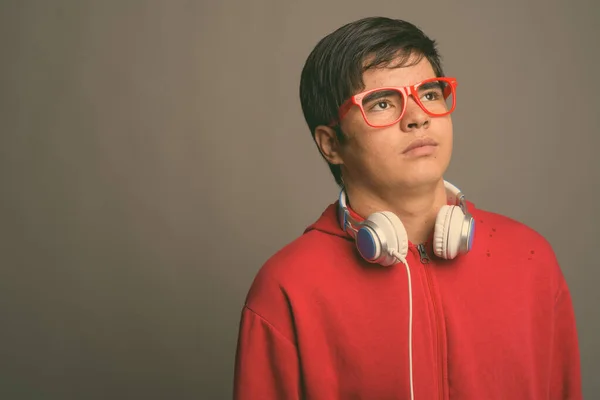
517, 247
298, 260
522, 251
509, 232
290, 270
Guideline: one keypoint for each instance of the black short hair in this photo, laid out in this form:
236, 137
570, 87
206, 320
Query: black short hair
334, 69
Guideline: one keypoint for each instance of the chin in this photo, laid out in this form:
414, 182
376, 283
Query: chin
419, 183
418, 175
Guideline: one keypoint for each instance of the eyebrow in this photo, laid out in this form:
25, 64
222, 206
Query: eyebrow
379, 94
432, 85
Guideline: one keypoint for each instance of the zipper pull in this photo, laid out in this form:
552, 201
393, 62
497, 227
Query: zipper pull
423, 253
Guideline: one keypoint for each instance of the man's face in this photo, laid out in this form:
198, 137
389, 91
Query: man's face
376, 157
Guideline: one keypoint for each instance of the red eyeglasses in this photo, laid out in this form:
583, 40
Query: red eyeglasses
385, 106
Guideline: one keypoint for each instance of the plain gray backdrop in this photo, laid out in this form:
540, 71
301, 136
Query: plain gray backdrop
153, 155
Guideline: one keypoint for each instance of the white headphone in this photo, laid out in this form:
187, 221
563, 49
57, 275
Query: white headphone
381, 237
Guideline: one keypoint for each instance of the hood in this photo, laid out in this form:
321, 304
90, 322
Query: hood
328, 222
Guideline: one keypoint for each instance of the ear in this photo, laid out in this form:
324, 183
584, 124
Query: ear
328, 144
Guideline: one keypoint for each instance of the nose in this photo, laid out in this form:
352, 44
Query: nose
414, 117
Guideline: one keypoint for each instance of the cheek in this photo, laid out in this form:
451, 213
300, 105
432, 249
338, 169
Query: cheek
448, 136
383, 145
363, 140
447, 141
443, 131
369, 153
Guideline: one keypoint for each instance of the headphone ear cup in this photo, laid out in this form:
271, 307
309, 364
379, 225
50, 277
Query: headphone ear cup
448, 228
368, 242
382, 233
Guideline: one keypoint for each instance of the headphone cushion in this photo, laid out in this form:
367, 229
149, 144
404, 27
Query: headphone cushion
391, 236
440, 232
401, 242
448, 227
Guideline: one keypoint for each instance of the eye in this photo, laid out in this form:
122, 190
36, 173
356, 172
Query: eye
431, 95
382, 105
382, 100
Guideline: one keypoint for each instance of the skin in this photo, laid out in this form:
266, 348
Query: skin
377, 176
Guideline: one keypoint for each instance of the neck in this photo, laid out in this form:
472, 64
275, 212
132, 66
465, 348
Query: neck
417, 208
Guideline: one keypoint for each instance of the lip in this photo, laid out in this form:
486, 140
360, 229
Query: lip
420, 142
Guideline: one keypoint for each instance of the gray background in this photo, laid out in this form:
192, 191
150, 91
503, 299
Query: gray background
153, 155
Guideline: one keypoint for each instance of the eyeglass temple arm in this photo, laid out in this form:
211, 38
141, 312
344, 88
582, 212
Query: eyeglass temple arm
448, 89
344, 108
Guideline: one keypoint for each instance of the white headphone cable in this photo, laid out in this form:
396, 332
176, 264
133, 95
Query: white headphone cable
410, 318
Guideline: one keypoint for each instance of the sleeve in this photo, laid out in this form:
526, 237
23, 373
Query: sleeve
565, 373
266, 363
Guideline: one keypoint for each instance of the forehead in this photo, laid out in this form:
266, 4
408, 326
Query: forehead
402, 76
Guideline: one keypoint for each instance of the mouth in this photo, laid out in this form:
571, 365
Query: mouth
420, 142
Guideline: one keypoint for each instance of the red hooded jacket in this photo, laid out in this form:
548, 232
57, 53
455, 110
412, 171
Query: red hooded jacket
320, 323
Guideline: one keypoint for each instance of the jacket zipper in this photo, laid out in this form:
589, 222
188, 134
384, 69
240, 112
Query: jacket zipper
426, 260
423, 254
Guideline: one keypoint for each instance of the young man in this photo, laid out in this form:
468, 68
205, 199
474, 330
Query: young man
393, 293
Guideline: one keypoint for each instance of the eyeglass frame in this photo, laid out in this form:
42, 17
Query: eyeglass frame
406, 92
